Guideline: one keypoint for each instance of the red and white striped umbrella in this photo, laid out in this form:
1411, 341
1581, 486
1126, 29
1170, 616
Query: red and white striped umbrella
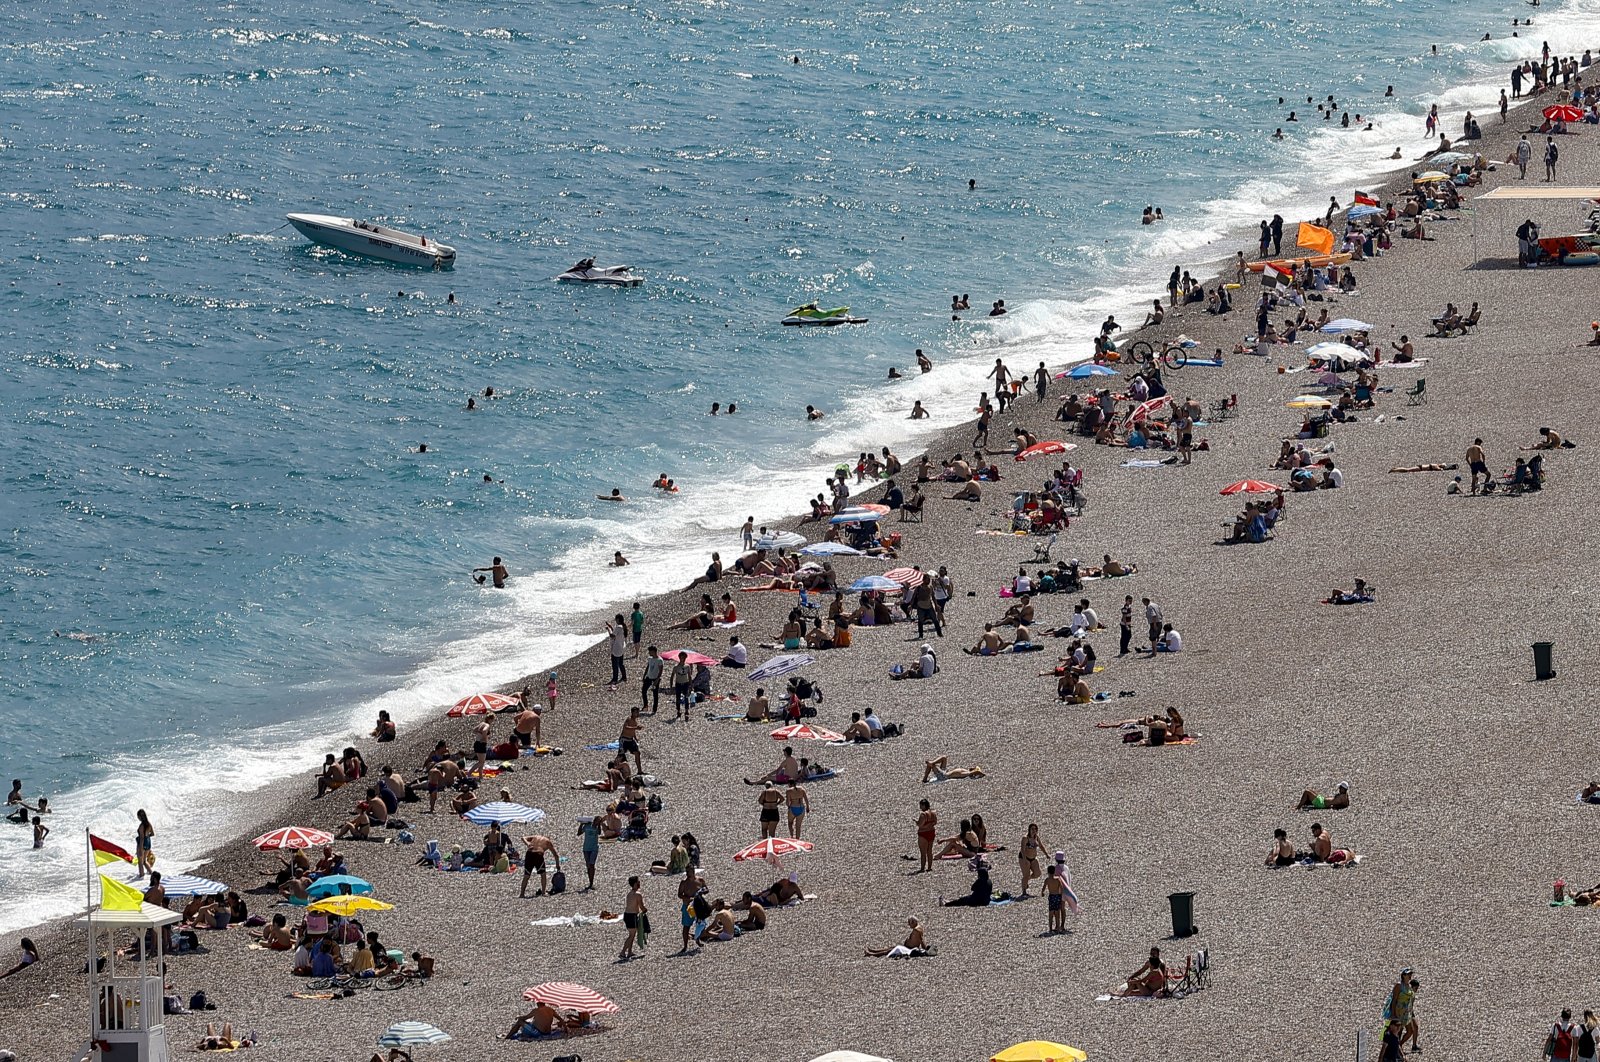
771, 848
292, 837
570, 996
905, 576
805, 732
482, 704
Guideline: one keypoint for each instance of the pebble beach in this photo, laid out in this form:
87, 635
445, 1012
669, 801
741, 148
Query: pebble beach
1462, 769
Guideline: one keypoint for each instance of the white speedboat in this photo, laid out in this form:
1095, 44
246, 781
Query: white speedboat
586, 272
374, 241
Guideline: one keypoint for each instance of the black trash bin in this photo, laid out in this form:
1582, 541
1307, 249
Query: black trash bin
1182, 904
1544, 660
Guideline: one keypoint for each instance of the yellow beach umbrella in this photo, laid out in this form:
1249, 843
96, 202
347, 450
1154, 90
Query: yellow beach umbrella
1040, 1051
1309, 402
349, 905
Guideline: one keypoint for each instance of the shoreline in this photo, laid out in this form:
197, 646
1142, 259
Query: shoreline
1242, 372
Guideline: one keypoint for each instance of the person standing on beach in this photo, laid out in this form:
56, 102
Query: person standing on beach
633, 918
589, 831
1277, 234
143, 844
681, 677
617, 640
651, 685
1478, 463
927, 830
628, 743
1524, 156
637, 619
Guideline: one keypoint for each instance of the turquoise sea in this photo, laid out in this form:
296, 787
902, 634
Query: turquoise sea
222, 550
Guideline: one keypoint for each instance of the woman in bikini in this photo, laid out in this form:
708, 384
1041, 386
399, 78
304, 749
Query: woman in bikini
1028, 855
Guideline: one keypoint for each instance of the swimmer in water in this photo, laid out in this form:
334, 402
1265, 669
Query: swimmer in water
497, 572
614, 496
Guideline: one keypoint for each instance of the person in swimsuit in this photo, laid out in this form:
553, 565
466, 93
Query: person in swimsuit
769, 800
799, 804
1317, 802
1028, 856
1281, 854
927, 830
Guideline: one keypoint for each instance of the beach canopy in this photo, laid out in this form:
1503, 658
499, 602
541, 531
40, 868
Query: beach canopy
411, 1034
780, 540
1042, 449
349, 905
1086, 370
334, 884
873, 582
292, 837
1564, 112
830, 549
771, 849
779, 666
189, 885
859, 514
805, 732
1345, 324
848, 1056
1309, 402
571, 996
689, 657
1250, 486
502, 811
482, 704
1040, 1051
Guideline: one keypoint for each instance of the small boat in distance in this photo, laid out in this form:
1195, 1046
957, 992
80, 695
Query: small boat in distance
374, 241
586, 272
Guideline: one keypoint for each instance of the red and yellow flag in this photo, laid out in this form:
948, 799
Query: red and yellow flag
106, 852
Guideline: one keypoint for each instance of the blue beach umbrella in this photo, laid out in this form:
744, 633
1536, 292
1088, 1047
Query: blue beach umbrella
334, 884
830, 549
502, 811
874, 582
412, 1034
189, 885
1086, 370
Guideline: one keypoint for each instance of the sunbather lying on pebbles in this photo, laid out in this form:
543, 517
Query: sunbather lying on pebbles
938, 770
915, 944
1317, 802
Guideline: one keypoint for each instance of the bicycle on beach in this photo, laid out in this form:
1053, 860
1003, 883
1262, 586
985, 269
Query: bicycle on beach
1172, 355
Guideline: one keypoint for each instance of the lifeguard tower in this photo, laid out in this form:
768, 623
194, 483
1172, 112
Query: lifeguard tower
125, 996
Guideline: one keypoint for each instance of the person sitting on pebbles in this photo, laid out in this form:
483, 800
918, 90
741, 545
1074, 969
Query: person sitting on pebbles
915, 944
1317, 802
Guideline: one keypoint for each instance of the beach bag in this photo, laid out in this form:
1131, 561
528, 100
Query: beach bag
558, 882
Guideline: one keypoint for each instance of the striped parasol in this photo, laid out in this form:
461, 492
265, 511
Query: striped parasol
292, 837
805, 732
411, 1034
482, 704
771, 849
570, 996
502, 811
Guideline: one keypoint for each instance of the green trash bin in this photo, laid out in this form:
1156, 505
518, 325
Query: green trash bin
1182, 904
1544, 660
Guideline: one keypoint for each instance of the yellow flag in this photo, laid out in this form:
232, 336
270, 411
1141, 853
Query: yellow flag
1315, 238
115, 896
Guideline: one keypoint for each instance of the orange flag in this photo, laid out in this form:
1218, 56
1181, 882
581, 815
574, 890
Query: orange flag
1315, 238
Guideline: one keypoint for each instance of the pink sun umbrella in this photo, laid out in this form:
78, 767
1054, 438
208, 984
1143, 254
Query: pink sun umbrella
805, 732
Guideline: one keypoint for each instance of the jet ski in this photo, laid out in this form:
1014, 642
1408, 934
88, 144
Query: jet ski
811, 315
586, 272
